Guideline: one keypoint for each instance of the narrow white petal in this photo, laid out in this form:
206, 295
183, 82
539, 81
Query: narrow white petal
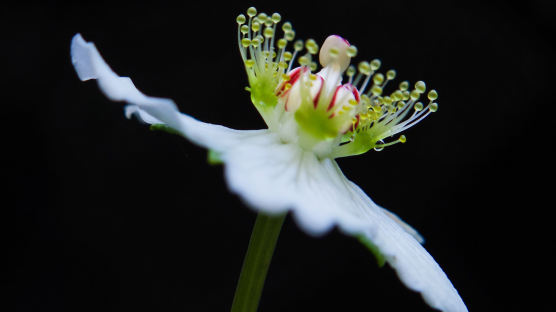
89, 64
408, 228
274, 177
413, 264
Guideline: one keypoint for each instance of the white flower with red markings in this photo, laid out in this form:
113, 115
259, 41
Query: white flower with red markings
312, 119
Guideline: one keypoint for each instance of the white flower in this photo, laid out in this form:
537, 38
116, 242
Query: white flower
312, 119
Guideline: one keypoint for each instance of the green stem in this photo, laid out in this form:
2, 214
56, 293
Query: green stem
257, 260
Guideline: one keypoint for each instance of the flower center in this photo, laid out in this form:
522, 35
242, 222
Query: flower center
317, 109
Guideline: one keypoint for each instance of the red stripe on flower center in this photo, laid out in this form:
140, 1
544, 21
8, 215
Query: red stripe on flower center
294, 76
316, 99
333, 102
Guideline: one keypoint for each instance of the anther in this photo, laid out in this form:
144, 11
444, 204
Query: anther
375, 64
432, 95
298, 45
276, 18
420, 86
397, 95
433, 107
245, 42
287, 56
282, 43
378, 79
287, 26
311, 46
391, 74
240, 19
350, 71
268, 22
313, 66
289, 35
304, 60
414, 95
376, 90
364, 68
252, 11
256, 26
352, 51
268, 32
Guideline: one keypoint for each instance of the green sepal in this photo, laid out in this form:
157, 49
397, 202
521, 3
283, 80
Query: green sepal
163, 127
380, 259
214, 158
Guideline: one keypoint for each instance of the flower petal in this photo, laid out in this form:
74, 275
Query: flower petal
89, 64
273, 177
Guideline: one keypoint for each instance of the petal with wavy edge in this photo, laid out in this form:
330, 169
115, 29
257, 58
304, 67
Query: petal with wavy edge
273, 177
89, 64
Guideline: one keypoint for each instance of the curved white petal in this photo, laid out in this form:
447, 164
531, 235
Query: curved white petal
273, 177
89, 64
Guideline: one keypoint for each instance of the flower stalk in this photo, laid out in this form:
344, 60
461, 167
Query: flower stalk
257, 260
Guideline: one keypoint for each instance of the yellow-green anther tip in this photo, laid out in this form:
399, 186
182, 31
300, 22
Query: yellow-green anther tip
391, 74
350, 71
268, 22
289, 35
418, 106
433, 107
298, 45
240, 19
375, 64
420, 86
352, 51
276, 17
397, 95
378, 78
287, 26
404, 85
313, 66
252, 11
287, 56
376, 90
402, 139
414, 95
365, 68
432, 95
268, 32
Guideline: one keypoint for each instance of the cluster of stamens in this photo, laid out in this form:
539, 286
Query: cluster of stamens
263, 60
386, 115
362, 107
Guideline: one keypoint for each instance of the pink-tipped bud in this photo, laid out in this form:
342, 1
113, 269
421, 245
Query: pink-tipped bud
334, 52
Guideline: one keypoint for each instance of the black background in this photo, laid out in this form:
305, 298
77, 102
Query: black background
112, 216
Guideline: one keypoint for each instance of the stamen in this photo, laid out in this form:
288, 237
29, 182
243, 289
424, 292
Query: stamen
362, 106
